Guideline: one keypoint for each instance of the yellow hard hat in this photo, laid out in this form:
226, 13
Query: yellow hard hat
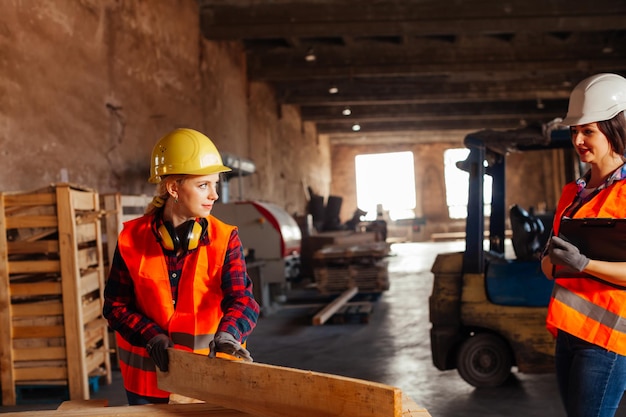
185, 151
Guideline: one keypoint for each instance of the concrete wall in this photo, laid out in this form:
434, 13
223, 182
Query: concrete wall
87, 87
530, 182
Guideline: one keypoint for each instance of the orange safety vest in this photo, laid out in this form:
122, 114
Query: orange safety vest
194, 321
588, 308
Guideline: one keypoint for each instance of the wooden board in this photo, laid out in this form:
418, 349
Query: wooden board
87, 409
327, 312
274, 391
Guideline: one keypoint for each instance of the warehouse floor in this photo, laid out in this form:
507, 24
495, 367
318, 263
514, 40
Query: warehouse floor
393, 347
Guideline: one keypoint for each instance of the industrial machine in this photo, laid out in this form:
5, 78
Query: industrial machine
272, 239
487, 311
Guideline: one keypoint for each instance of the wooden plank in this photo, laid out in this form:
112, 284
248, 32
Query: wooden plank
41, 373
82, 200
34, 267
35, 288
327, 312
37, 309
67, 201
90, 282
275, 391
86, 232
41, 246
151, 410
15, 222
34, 332
411, 409
82, 404
7, 376
112, 221
39, 354
29, 199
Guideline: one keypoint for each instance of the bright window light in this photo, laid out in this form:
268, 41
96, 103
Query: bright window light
457, 183
387, 179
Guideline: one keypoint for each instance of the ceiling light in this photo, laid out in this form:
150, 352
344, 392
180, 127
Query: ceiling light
356, 127
346, 111
333, 90
310, 55
540, 104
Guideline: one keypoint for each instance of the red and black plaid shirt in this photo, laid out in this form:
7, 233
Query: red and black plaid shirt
240, 309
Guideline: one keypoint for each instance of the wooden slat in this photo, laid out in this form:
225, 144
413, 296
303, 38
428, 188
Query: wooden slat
34, 267
37, 309
91, 311
7, 377
87, 258
40, 354
68, 201
336, 304
83, 200
82, 404
36, 288
15, 222
275, 391
113, 221
151, 410
29, 199
86, 232
41, 373
41, 246
34, 332
90, 282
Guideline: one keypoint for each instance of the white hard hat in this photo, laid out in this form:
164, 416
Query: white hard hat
596, 98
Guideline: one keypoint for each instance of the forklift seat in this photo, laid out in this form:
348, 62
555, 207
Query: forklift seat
527, 232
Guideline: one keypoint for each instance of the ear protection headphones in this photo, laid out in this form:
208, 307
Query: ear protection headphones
189, 238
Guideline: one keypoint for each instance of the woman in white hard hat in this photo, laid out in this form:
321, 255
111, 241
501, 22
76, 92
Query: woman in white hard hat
178, 277
587, 311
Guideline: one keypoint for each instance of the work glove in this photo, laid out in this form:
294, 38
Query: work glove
157, 349
226, 343
563, 253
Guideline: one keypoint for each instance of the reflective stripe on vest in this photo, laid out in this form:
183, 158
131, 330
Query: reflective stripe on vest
589, 308
199, 295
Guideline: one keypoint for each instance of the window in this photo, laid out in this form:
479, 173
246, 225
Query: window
457, 183
387, 179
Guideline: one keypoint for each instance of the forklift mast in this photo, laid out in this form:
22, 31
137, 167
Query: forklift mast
487, 156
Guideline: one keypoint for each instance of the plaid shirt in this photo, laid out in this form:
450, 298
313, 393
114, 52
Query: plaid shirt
240, 309
618, 175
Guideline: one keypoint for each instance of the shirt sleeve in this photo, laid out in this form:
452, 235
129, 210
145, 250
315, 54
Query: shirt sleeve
241, 311
120, 309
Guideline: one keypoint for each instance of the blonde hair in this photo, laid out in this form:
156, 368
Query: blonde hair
161, 194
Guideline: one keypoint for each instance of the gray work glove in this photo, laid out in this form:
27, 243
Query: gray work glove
157, 349
563, 253
226, 343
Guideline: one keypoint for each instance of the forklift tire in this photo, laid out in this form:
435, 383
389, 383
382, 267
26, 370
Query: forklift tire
484, 360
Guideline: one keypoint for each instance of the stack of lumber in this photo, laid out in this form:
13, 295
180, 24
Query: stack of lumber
52, 283
338, 268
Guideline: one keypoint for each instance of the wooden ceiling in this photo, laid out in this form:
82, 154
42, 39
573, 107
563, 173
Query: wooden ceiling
423, 65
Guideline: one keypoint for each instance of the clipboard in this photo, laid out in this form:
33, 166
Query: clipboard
603, 239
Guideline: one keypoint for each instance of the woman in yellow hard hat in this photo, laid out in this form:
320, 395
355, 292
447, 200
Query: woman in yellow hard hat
587, 311
178, 277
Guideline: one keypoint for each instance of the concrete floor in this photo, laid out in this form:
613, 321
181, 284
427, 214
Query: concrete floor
392, 348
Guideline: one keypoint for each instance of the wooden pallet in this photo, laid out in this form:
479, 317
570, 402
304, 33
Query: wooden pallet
52, 281
119, 208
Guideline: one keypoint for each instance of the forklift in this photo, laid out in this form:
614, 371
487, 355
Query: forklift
487, 310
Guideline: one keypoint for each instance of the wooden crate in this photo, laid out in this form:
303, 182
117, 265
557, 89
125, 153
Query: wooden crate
51, 290
119, 208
